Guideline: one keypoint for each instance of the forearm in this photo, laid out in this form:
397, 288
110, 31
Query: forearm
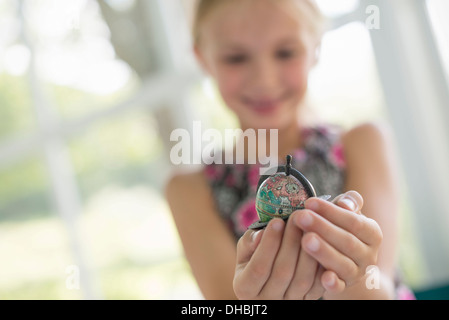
368, 288
208, 244
215, 281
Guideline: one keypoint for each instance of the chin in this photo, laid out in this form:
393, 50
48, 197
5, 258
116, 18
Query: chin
280, 120
278, 116
267, 123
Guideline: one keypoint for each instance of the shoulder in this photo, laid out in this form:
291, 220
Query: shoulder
189, 196
371, 156
368, 137
185, 185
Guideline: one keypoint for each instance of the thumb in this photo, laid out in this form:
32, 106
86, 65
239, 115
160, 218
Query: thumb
351, 200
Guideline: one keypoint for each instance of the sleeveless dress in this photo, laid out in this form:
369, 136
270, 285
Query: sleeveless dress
234, 186
321, 160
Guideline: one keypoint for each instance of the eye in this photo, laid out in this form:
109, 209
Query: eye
285, 54
236, 59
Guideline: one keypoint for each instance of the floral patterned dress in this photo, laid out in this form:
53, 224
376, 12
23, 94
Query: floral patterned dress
321, 160
234, 186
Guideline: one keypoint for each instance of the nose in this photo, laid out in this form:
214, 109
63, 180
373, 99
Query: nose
264, 75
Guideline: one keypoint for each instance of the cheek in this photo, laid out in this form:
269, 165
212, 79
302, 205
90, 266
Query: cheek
230, 82
295, 76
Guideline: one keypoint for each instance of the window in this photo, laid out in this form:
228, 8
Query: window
75, 114
440, 26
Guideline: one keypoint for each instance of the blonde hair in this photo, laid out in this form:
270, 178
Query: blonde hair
308, 10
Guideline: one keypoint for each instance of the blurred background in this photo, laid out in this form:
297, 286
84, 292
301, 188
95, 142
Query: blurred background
91, 90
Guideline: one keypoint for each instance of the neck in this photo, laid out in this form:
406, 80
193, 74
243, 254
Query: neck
289, 138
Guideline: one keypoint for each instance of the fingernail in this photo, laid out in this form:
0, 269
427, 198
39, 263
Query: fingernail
305, 219
311, 205
349, 203
254, 235
330, 281
277, 225
313, 244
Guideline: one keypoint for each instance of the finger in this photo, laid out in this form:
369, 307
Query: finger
250, 280
285, 263
304, 277
330, 258
317, 290
340, 239
331, 282
247, 244
351, 200
365, 229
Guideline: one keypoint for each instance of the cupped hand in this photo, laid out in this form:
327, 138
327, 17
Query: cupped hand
271, 265
340, 238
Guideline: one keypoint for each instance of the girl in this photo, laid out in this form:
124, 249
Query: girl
260, 53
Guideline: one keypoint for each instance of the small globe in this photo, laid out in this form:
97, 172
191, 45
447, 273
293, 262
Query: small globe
279, 196
282, 193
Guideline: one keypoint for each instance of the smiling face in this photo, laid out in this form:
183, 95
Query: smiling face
260, 53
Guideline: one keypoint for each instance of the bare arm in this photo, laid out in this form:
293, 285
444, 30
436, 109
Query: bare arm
208, 245
371, 170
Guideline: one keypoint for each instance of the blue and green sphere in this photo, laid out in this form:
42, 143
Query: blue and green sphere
279, 196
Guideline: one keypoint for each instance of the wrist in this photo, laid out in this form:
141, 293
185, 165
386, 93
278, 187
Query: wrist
371, 286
